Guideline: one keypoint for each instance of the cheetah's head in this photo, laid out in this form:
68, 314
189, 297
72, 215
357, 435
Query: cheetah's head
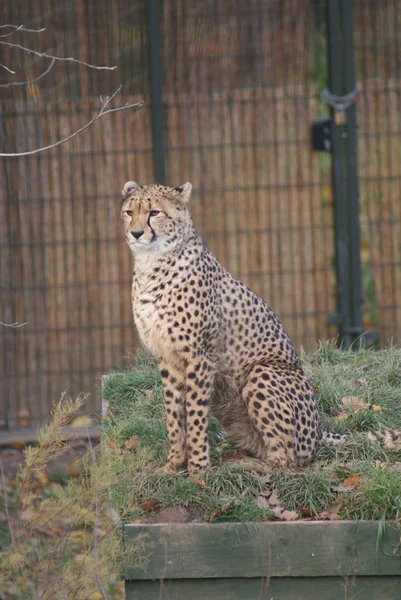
155, 217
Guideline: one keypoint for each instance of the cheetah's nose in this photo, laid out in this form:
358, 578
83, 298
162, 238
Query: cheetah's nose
137, 234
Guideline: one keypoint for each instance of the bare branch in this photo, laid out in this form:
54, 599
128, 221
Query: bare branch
6, 85
100, 114
60, 58
7, 69
13, 325
16, 28
20, 28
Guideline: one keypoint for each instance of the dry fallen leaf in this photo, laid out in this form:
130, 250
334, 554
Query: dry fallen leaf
277, 510
273, 499
289, 515
355, 403
151, 505
112, 447
262, 502
284, 515
307, 512
221, 511
327, 515
348, 484
132, 442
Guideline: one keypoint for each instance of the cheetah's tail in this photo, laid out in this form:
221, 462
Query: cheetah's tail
388, 438
333, 439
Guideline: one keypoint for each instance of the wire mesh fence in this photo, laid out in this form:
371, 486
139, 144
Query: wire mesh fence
378, 61
64, 267
241, 86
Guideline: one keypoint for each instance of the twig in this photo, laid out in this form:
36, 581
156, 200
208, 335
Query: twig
14, 325
20, 28
12, 535
7, 69
60, 587
60, 58
96, 523
100, 114
6, 85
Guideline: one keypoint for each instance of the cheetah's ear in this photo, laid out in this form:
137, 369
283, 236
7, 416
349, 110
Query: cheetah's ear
128, 188
183, 192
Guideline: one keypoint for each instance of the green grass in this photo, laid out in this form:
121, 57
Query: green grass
230, 492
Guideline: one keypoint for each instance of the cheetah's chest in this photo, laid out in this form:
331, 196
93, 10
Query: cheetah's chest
149, 315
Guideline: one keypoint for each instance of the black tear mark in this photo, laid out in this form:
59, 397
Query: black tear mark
152, 230
180, 189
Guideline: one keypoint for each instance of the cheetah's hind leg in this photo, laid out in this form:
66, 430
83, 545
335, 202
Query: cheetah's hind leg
282, 407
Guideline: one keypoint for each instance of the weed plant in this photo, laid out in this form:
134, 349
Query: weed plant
61, 541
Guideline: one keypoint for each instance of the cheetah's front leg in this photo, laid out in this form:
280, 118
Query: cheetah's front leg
199, 376
174, 398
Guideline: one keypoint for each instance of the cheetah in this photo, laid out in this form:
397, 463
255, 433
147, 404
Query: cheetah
221, 350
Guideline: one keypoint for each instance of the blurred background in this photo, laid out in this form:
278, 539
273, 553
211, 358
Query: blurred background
230, 92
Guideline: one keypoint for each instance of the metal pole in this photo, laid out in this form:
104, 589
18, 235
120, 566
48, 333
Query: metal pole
355, 280
155, 72
339, 192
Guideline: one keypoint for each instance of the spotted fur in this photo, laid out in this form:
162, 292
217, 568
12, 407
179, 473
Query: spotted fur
221, 349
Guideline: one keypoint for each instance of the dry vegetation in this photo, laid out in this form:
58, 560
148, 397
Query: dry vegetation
60, 540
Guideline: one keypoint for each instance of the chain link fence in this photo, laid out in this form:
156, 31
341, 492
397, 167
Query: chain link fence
240, 87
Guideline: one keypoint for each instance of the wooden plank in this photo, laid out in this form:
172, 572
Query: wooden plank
312, 549
24, 436
321, 588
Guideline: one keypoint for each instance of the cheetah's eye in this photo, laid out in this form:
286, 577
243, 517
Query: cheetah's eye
128, 212
154, 213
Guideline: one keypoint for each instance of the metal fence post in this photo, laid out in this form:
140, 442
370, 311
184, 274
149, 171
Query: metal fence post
155, 73
355, 278
340, 207
345, 176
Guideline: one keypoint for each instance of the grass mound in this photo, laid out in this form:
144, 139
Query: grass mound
357, 392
